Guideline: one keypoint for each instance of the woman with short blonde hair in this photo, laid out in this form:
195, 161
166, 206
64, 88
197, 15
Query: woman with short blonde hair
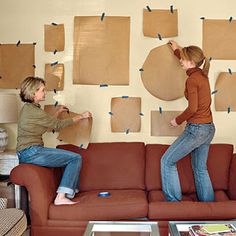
28, 88
33, 122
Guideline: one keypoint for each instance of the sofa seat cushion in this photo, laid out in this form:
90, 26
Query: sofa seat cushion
121, 204
189, 208
154, 196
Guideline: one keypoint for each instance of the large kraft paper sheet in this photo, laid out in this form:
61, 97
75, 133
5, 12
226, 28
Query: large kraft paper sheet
162, 22
101, 50
54, 76
219, 37
78, 133
126, 114
160, 124
162, 74
226, 90
54, 38
16, 63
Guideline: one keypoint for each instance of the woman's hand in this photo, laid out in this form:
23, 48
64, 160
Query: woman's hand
86, 114
82, 116
60, 109
173, 45
173, 123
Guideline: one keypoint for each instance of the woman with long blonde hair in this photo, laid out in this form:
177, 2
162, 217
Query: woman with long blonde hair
198, 132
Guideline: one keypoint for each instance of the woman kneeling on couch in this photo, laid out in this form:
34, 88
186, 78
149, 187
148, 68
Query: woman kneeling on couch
33, 123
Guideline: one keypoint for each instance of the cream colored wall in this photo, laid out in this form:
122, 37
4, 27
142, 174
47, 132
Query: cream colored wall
24, 20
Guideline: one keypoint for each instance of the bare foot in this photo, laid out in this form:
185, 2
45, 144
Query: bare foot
63, 201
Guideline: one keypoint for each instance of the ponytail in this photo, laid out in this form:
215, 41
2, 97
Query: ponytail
195, 54
206, 66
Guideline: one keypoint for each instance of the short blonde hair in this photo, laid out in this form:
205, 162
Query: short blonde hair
195, 54
28, 88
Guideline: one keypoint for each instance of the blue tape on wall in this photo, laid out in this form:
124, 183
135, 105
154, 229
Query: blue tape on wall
149, 9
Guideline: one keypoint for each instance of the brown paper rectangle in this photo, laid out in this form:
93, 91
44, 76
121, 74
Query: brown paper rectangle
16, 63
78, 133
54, 38
160, 124
126, 114
101, 50
219, 37
225, 96
50, 109
54, 76
162, 22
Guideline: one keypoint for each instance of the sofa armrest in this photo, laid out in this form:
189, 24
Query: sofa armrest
41, 183
232, 179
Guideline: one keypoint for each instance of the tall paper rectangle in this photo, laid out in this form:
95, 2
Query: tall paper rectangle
101, 50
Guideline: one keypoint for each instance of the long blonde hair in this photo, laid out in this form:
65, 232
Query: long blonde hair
28, 88
195, 54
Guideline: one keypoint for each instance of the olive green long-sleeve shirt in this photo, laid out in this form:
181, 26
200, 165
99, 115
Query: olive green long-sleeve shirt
33, 123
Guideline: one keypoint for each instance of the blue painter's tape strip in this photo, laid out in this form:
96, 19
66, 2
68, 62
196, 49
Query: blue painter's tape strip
103, 15
160, 110
54, 63
125, 97
159, 36
103, 85
214, 92
149, 9
104, 194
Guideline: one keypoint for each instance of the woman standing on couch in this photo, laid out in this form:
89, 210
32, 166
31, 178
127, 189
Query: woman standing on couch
199, 130
33, 123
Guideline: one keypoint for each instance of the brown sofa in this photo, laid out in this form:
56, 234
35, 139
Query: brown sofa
131, 173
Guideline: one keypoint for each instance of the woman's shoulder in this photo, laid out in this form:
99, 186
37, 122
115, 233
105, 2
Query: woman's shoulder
32, 109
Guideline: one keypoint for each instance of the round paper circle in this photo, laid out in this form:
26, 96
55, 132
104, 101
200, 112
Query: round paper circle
162, 74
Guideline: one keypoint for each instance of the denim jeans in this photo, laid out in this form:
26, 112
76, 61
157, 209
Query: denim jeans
196, 140
52, 157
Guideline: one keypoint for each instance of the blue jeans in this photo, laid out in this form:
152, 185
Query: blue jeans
196, 140
52, 157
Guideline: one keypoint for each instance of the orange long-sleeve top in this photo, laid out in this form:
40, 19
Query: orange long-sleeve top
198, 93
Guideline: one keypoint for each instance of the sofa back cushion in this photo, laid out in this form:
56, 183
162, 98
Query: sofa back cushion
219, 159
107, 166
